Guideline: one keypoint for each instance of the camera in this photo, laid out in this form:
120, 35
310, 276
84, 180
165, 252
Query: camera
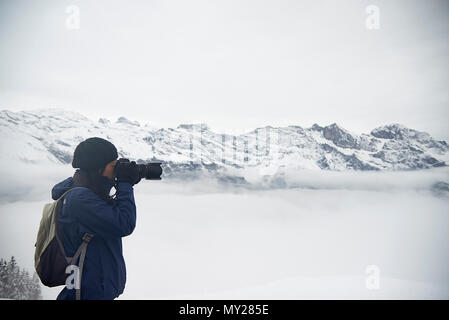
148, 171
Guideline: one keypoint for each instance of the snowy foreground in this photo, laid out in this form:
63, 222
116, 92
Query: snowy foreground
200, 241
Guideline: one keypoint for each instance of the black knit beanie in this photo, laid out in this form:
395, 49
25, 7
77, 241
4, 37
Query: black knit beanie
94, 153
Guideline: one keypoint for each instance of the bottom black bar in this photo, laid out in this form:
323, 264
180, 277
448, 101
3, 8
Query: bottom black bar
230, 309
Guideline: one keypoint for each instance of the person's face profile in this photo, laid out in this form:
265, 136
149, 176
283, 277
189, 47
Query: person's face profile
109, 171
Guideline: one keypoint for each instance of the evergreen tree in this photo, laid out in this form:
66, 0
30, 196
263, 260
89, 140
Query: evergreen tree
3, 278
16, 283
35, 290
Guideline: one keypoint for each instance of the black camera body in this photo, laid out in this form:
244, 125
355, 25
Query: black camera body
148, 171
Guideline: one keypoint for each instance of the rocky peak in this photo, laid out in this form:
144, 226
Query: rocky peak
391, 131
194, 127
317, 127
124, 120
104, 121
339, 136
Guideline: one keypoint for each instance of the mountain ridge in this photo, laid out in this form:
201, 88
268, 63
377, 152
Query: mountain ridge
50, 136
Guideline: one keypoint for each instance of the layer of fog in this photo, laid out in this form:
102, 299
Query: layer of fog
34, 182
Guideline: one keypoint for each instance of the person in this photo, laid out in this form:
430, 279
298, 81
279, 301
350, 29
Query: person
92, 210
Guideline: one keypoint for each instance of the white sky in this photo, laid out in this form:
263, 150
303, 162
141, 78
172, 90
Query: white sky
234, 64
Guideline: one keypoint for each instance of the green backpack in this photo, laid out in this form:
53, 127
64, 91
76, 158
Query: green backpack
50, 261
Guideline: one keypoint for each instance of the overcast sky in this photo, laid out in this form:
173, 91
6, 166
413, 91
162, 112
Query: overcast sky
234, 64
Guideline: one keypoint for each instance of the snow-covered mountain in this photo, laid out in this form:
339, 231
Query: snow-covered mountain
51, 135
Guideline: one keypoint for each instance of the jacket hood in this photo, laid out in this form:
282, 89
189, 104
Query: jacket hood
66, 184
61, 187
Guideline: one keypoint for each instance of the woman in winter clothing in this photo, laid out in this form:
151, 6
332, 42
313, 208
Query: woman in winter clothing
92, 210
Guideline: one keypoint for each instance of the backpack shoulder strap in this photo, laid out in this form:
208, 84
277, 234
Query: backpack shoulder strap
57, 214
69, 191
81, 252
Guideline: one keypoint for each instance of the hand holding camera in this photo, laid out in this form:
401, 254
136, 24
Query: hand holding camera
127, 171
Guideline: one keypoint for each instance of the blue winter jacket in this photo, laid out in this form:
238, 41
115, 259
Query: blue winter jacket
104, 272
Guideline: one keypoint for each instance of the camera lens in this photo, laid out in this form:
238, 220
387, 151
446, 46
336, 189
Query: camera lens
150, 171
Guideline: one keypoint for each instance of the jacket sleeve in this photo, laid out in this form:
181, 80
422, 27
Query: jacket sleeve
102, 219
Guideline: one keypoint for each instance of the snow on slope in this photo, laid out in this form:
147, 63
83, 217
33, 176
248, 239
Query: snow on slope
51, 135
